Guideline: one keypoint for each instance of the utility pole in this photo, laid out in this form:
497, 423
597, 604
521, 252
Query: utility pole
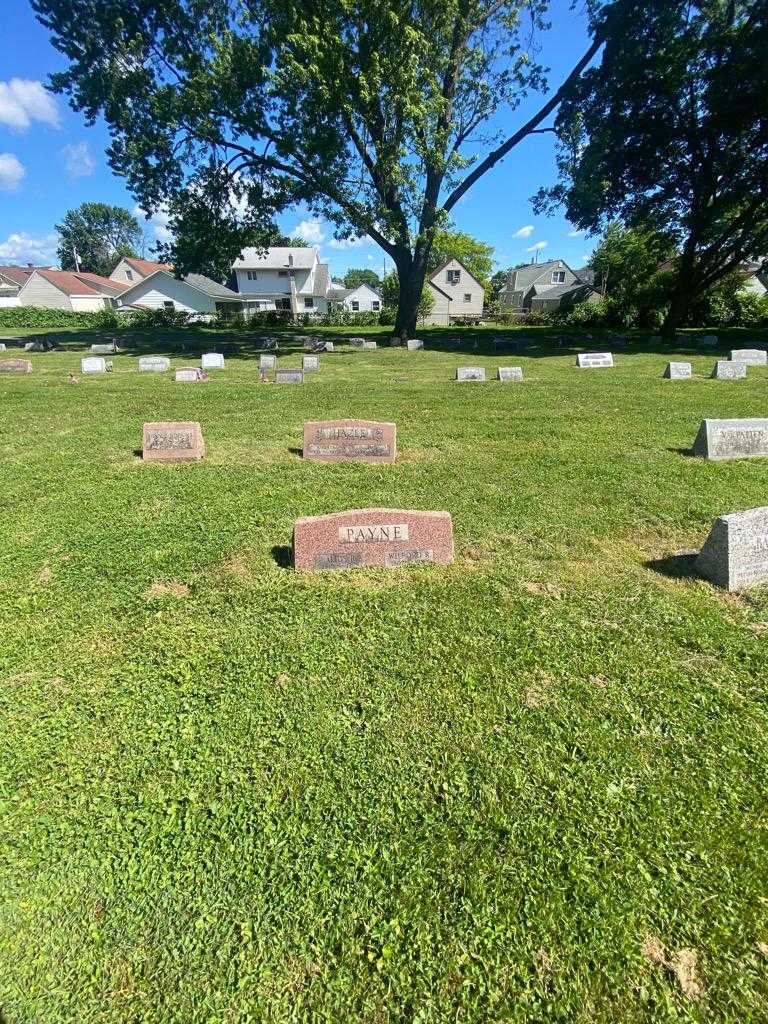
76, 259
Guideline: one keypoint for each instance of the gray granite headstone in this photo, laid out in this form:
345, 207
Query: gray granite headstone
370, 344
93, 364
735, 554
104, 350
470, 373
267, 362
357, 342
594, 360
2, 346
414, 344
289, 376
212, 361
732, 439
750, 356
678, 371
506, 373
725, 370
310, 364
154, 364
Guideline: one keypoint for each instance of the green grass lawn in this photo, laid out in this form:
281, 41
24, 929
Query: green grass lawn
530, 787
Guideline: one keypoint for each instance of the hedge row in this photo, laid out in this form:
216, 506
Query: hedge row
30, 316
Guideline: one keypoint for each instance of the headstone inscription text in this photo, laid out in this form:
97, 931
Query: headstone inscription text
189, 375
93, 364
750, 356
350, 441
735, 554
173, 442
732, 439
310, 364
267, 362
15, 366
372, 537
507, 373
678, 371
289, 376
725, 370
594, 360
212, 361
470, 373
414, 344
154, 364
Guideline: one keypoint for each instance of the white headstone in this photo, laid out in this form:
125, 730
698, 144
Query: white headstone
154, 364
267, 362
370, 344
725, 370
329, 346
470, 373
678, 371
750, 356
289, 375
93, 364
2, 346
732, 439
590, 360
310, 364
104, 350
188, 375
414, 344
507, 373
735, 554
212, 361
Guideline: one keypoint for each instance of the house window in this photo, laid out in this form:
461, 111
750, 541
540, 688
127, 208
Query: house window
467, 296
375, 306
282, 273
129, 274
251, 275
453, 276
309, 303
283, 304
355, 307
168, 305
558, 277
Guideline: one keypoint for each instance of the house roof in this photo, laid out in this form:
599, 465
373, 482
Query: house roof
525, 276
145, 267
72, 283
556, 291
276, 258
197, 281
585, 274
444, 264
18, 275
339, 294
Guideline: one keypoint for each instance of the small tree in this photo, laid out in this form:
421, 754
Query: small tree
364, 275
379, 115
100, 234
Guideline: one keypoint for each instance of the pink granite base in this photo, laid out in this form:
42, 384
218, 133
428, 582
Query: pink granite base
173, 442
387, 537
350, 441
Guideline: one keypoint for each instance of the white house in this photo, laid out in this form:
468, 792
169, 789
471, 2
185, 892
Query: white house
456, 293
285, 278
64, 289
192, 294
12, 278
129, 270
362, 299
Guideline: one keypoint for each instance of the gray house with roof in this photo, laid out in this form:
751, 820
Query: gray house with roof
541, 287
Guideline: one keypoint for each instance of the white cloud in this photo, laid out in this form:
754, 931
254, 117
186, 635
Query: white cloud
159, 222
576, 232
23, 248
11, 172
537, 246
524, 232
349, 243
23, 101
310, 230
78, 161
587, 258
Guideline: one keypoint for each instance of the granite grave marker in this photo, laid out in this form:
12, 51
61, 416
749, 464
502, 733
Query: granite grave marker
350, 441
154, 364
735, 554
470, 373
678, 371
508, 373
750, 356
15, 366
212, 361
173, 442
594, 360
725, 370
310, 364
289, 376
732, 439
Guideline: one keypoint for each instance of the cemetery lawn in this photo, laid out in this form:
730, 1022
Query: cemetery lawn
530, 787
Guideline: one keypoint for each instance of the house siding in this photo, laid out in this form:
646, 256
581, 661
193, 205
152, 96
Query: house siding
365, 297
440, 314
467, 284
42, 294
121, 274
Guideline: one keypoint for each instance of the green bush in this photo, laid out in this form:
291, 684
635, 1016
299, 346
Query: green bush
146, 319
30, 316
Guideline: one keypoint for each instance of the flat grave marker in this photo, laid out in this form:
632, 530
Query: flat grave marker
190, 375
93, 364
414, 344
172, 442
368, 345
678, 371
383, 537
310, 364
718, 440
725, 370
735, 554
212, 361
350, 441
594, 360
509, 373
104, 350
154, 364
470, 373
15, 366
357, 342
750, 356
289, 375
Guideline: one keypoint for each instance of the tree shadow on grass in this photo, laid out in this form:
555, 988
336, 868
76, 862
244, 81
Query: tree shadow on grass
687, 453
679, 566
282, 555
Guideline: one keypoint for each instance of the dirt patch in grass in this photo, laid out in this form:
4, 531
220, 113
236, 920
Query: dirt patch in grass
542, 589
167, 588
45, 576
683, 965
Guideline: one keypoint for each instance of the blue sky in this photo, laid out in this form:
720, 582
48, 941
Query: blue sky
51, 161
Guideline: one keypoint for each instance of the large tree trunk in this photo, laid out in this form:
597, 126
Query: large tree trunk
411, 273
678, 308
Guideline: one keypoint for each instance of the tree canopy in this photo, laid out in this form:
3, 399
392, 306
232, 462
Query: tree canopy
669, 132
101, 235
377, 115
363, 275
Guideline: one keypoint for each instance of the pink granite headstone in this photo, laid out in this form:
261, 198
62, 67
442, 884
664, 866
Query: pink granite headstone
15, 366
173, 442
350, 441
389, 537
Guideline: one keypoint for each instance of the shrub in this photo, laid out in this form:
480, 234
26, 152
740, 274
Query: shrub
146, 319
30, 316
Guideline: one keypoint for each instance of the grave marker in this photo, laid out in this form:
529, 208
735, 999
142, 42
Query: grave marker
154, 364
750, 356
2, 346
310, 364
507, 373
735, 554
212, 361
414, 344
372, 537
15, 366
350, 441
93, 364
289, 376
594, 360
470, 373
370, 345
678, 371
173, 442
267, 362
732, 439
357, 342
190, 375
724, 370
105, 350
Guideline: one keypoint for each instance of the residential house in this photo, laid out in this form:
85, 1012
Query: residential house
12, 277
755, 277
289, 278
129, 270
548, 286
65, 289
193, 293
362, 299
456, 293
